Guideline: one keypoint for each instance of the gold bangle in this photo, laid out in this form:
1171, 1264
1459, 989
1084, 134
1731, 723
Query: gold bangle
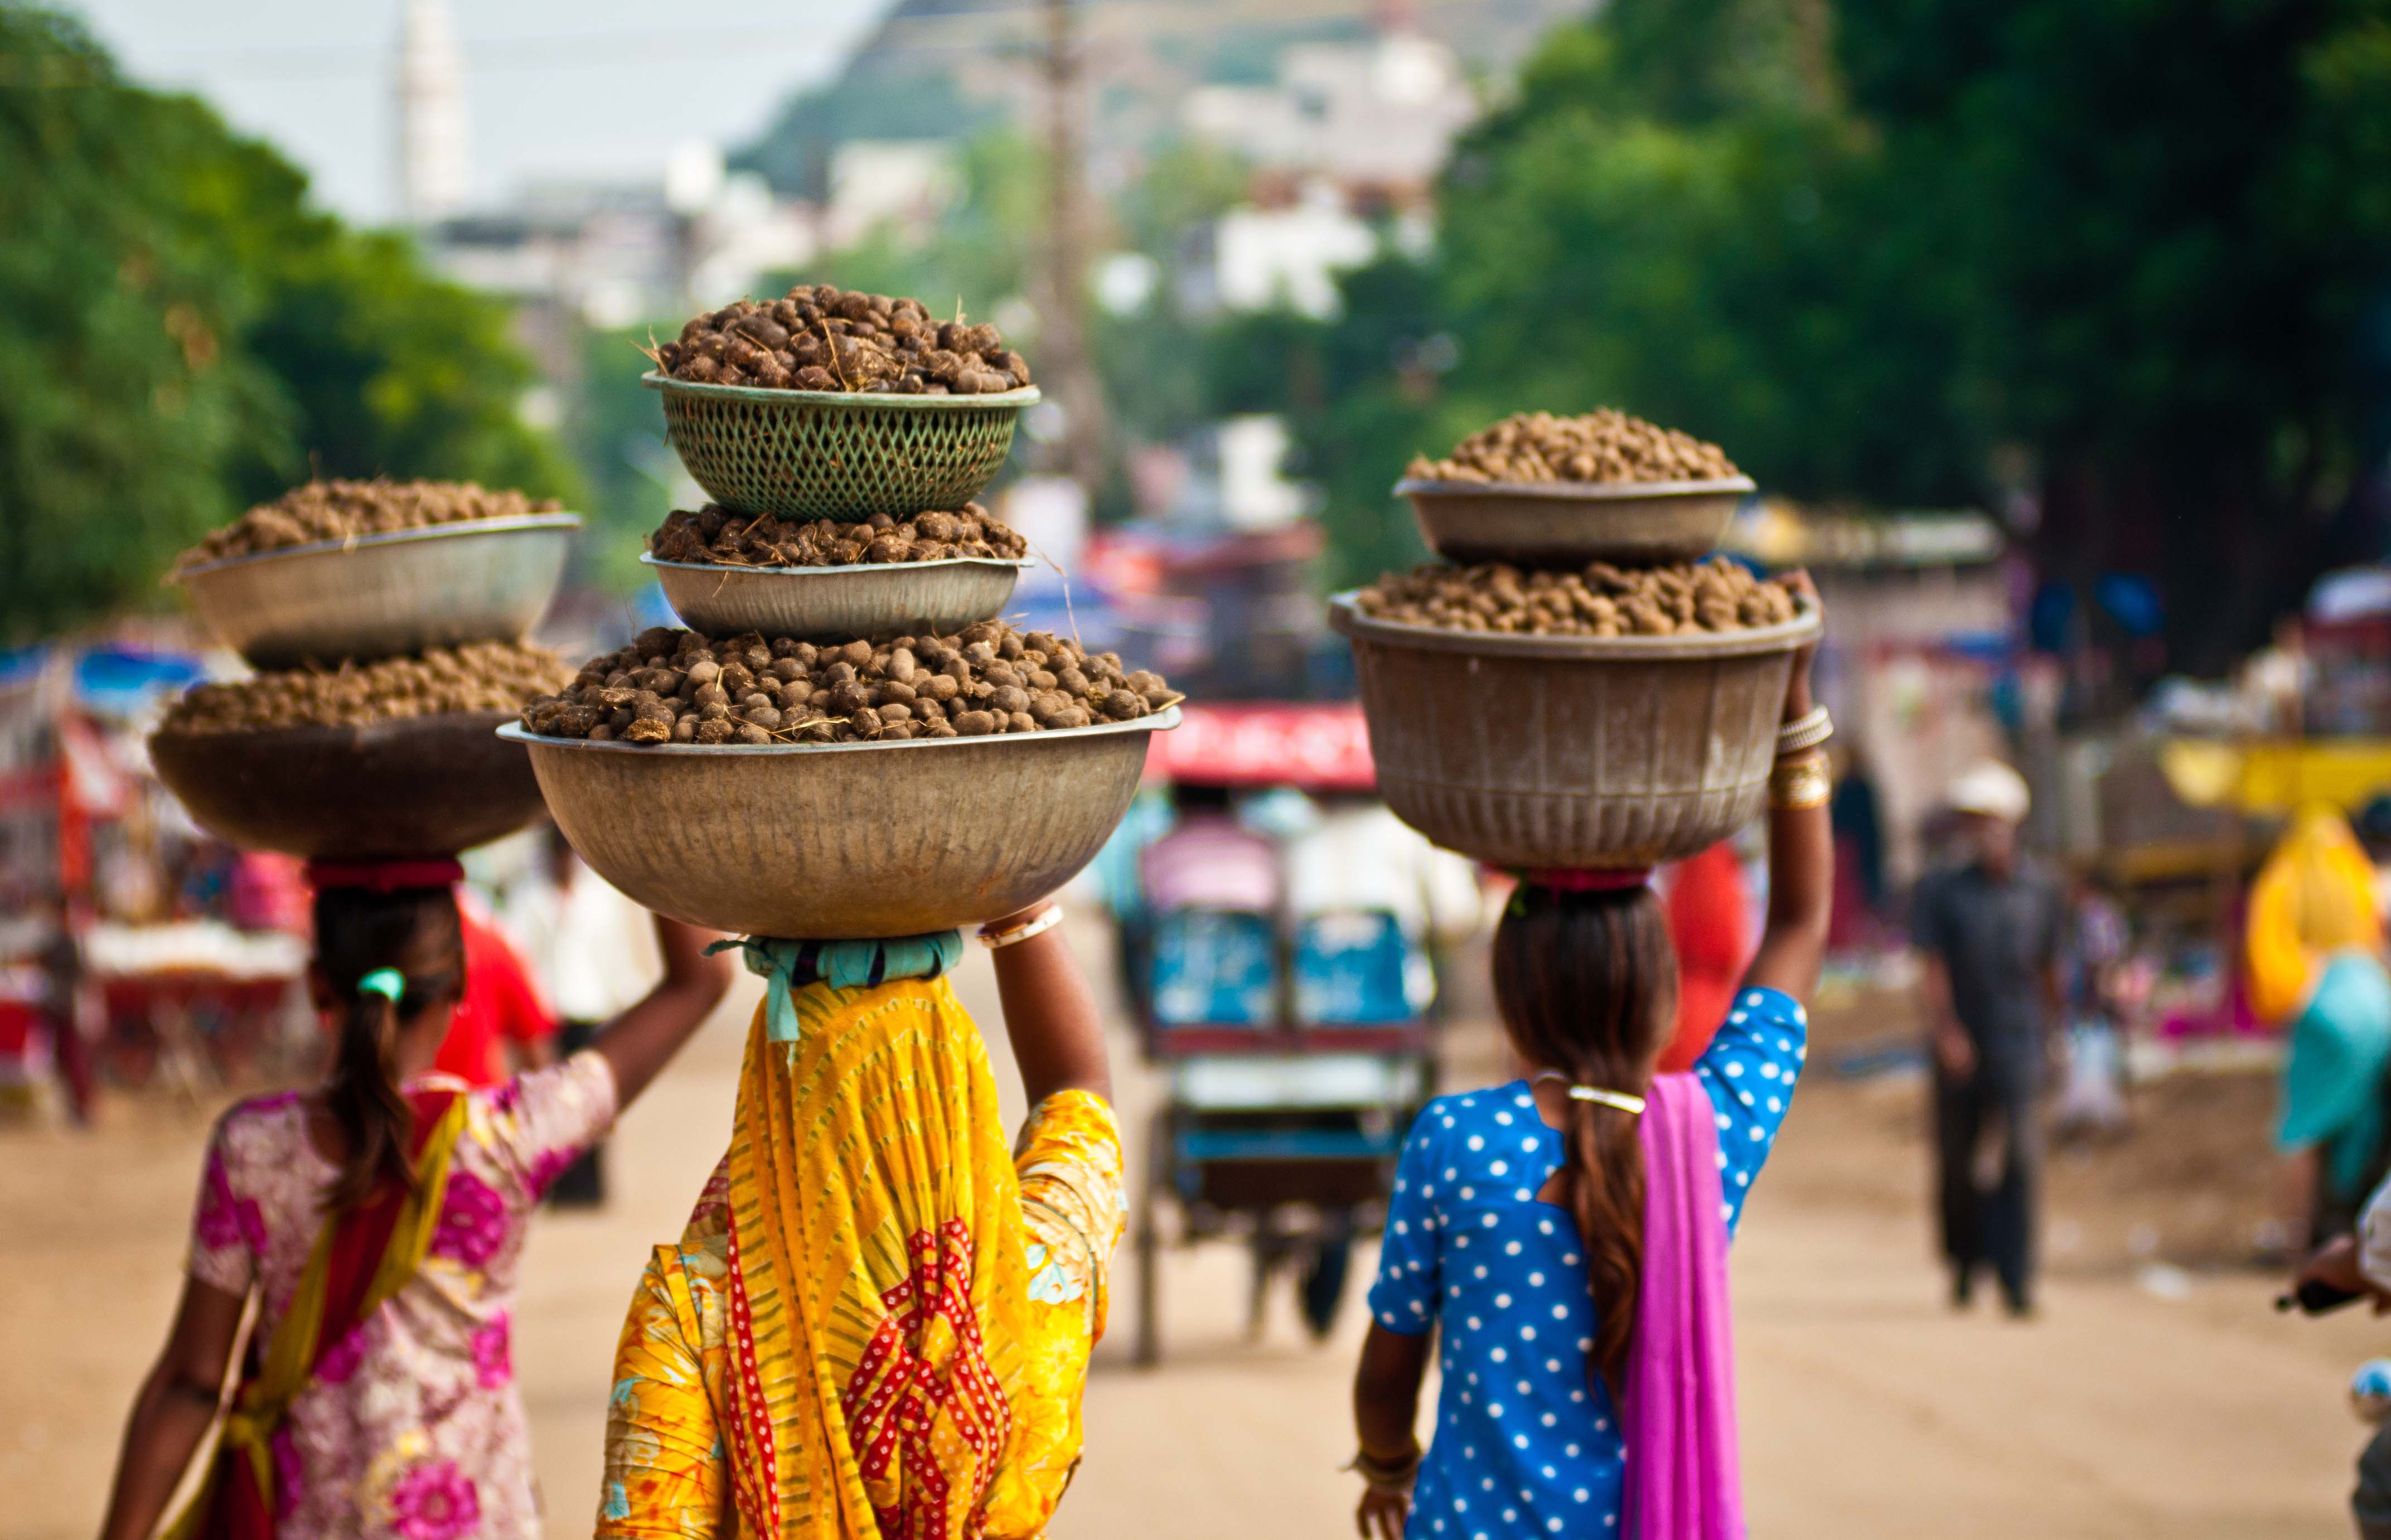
1800, 781
1037, 924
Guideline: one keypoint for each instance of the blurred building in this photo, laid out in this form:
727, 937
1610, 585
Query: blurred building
1378, 114
434, 162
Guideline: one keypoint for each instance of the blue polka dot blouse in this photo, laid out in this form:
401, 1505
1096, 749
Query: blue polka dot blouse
1522, 1447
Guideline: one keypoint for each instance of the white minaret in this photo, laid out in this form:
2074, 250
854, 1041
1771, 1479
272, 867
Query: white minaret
432, 167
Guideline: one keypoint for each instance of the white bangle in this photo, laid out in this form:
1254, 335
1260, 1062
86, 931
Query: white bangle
1046, 921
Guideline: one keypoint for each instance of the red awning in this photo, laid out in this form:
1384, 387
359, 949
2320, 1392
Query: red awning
1323, 749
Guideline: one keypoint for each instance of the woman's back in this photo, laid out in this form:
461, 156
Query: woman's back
1522, 1445
411, 1426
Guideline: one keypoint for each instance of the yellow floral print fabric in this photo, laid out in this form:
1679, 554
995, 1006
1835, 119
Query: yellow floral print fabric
876, 1326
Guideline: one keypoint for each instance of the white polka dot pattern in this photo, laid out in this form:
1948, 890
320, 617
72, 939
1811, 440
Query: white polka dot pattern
1470, 1170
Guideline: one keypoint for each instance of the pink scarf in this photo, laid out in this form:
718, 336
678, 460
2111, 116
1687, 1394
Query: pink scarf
1684, 1481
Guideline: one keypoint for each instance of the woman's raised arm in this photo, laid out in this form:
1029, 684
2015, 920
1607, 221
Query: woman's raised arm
1050, 1011
1800, 851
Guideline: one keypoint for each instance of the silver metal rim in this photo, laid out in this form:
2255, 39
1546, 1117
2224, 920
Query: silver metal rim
1160, 721
388, 538
1574, 491
1022, 563
874, 401
1345, 616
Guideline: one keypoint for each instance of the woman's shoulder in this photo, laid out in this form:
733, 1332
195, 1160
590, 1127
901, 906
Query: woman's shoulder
263, 1124
1461, 1113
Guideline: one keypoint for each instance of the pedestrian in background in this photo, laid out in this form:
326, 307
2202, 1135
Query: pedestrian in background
1991, 930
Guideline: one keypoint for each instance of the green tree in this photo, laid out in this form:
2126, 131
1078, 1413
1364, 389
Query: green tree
1877, 250
187, 334
118, 333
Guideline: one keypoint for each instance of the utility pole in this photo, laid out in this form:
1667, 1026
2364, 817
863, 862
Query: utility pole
1065, 364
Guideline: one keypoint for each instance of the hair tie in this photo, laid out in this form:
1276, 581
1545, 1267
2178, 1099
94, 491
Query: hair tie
1588, 879
389, 983
1632, 1106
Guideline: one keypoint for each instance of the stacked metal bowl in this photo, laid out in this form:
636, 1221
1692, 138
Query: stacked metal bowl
1569, 751
418, 785
839, 841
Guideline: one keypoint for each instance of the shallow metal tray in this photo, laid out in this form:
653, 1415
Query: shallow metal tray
1569, 524
379, 595
874, 601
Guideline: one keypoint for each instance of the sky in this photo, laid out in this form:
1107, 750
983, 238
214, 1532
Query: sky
581, 88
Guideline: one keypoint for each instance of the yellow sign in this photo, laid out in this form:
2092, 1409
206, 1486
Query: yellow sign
2277, 775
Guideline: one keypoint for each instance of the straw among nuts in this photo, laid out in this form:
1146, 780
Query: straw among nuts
677, 687
715, 537
819, 338
332, 510
481, 676
1603, 600
1603, 446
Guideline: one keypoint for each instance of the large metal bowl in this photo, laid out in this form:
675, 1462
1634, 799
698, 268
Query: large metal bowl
837, 454
871, 601
843, 841
420, 786
380, 595
1571, 751
1570, 524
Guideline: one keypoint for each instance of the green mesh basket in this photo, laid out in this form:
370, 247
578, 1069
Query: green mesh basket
833, 454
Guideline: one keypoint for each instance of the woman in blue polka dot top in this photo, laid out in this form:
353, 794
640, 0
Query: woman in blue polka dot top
1515, 1237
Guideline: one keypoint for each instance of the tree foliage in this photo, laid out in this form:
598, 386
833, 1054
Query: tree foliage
182, 334
2128, 258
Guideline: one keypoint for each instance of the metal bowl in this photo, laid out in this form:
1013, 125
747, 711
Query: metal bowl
871, 601
1569, 524
837, 454
416, 787
1571, 751
379, 595
844, 841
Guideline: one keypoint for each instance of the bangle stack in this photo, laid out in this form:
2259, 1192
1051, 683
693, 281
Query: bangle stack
1039, 924
1395, 1475
1799, 779
1808, 730
1800, 782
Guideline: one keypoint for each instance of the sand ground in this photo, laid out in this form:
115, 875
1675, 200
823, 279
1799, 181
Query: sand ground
2174, 1405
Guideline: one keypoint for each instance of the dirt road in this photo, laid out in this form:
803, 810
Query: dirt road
1868, 1410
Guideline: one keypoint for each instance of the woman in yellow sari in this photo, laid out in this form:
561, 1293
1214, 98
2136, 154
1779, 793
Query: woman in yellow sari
877, 1323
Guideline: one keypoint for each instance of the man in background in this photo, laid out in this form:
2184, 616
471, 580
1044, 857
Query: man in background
1990, 929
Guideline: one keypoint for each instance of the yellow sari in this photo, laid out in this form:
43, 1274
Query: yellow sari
877, 1323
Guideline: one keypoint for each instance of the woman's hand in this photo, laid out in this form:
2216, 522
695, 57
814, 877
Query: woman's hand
1797, 683
1383, 1511
2337, 1267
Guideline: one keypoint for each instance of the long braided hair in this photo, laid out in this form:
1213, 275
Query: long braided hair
416, 932
1587, 985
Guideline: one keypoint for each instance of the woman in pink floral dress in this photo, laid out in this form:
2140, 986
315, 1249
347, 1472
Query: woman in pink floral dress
395, 1412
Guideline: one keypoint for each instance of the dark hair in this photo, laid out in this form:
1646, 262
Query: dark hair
358, 931
1587, 984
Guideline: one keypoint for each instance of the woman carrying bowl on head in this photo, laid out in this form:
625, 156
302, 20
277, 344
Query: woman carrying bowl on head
1566, 1234
878, 1319
379, 1220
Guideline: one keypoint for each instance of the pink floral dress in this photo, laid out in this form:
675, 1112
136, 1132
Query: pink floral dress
413, 1429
